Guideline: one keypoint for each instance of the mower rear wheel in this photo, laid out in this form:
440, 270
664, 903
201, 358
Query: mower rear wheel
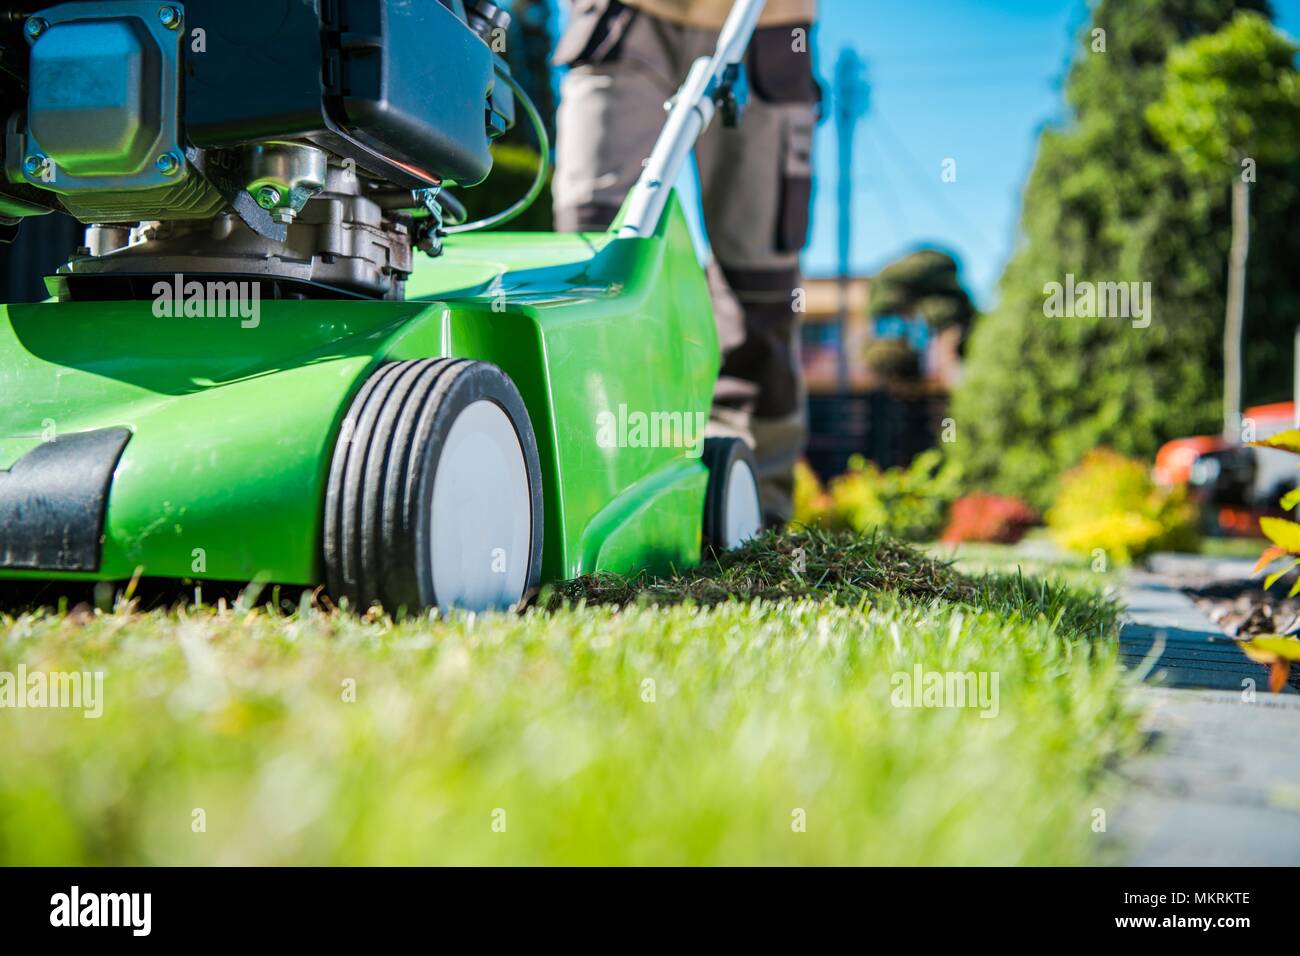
435, 493
732, 512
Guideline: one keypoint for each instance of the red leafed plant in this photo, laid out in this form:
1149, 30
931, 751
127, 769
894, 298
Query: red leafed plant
984, 517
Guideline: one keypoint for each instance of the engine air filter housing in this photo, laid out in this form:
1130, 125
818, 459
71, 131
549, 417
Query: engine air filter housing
400, 87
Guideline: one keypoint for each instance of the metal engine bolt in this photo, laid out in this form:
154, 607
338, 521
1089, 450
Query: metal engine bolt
168, 164
283, 176
169, 17
268, 197
486, 17
34, 27
34, 164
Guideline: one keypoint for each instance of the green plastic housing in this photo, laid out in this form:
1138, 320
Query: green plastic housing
233, 424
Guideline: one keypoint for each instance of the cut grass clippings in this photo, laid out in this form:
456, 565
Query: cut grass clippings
741, 713
844, 568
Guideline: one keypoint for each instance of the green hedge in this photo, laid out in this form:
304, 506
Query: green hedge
1107, 202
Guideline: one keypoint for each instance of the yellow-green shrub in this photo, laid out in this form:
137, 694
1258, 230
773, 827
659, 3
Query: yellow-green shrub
910, 503
811, 502
1111, 503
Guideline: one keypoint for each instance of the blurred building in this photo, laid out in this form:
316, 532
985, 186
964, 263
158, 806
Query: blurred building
898, 375
938, 354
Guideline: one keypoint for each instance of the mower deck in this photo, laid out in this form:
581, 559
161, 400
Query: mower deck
232, 422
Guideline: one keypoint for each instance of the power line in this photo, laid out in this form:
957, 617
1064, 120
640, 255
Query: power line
889, 196
927, 186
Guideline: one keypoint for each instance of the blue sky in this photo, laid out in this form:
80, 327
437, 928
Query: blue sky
971, 80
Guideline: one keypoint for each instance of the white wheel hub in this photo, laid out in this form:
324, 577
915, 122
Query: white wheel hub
744, 515
482, 513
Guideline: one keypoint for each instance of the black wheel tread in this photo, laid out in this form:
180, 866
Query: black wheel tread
380, 472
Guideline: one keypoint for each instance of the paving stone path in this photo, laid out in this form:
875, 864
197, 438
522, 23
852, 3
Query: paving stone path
1221, 784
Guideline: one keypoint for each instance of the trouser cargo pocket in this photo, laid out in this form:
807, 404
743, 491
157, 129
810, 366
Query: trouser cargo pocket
796, 180
595, 33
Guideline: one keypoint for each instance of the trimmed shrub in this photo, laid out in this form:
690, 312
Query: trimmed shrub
998, 519
892, 360
909, 503
1111, 503
812, 504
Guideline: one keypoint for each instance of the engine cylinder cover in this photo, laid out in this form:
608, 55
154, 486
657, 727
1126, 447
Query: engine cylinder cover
103, 109
90, 107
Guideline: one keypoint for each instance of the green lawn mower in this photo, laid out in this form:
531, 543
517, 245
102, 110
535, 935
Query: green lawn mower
281, 355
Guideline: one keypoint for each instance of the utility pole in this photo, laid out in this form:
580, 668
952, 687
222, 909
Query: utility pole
850, 96
1236, 313
1295, 379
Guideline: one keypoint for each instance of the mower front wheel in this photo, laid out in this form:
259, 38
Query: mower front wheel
435, 493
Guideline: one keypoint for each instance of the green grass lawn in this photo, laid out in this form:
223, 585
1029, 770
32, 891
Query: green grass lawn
1009, 559
738, 714
1250, 548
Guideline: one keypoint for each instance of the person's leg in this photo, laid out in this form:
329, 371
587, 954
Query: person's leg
757, 180
624, 65
622, 68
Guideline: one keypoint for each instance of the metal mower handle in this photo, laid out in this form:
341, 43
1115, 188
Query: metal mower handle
689, 115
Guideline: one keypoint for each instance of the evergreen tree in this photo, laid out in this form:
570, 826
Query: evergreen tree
1232, 100
1108, 201
923, 283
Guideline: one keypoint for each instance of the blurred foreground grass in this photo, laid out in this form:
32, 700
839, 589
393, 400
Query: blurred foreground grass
641, 730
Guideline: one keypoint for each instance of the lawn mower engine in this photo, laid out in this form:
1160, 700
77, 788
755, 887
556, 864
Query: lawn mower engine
303, 144
448, 451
